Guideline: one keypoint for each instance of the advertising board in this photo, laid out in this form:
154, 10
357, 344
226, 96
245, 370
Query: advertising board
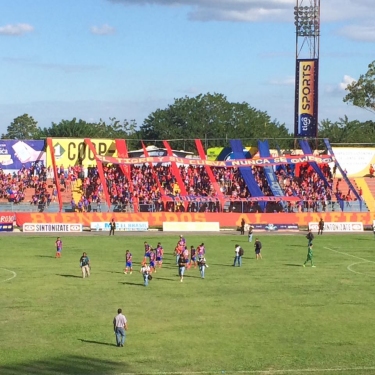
6, 227
121, 226
338, 227
51, 228
173, 226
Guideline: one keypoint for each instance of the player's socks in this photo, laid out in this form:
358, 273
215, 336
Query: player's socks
303, 265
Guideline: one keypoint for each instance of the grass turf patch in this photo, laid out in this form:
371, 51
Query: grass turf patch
270, 314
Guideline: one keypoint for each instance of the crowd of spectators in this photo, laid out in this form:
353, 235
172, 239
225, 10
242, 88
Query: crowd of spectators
156, 188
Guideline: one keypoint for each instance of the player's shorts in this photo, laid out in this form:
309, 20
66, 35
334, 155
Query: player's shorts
193, 259
257, 252
147, 255
152, 264
159, 259
128, 264
59, 250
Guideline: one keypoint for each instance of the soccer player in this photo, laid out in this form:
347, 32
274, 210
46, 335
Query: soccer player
159, 254
309, 255
147, 251
128, 262
185, 254
258, 247
58, 244
193, 256
182, 239
201, 250
309, 237
152, 261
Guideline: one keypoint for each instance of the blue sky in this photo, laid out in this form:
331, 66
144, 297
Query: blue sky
95, 59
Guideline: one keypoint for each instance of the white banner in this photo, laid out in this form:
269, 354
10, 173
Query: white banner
50, 228
337, 227
121, 226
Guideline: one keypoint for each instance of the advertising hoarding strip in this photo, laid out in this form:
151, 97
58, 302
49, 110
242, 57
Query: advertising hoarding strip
343, 174
272, 180
211, 176
55, 174
156, 219
100, 172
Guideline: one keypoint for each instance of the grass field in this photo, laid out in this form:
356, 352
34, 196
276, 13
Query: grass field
268, 317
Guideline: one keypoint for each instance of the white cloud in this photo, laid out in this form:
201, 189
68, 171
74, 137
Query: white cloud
347, 80
363, 33
16, 30
287, 81
103, 30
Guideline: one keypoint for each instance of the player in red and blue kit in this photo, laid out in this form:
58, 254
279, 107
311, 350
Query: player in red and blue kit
186, 257
128, 262
58, 244
201, 250
148, 249
159, 254
193, 256
152, 260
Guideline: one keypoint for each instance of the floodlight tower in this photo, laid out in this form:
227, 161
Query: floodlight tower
307, 21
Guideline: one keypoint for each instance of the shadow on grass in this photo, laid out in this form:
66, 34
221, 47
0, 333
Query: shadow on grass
292, 265
129, 283
122, 273
164, 278
67, 365
45, 256
97, 342
75, 276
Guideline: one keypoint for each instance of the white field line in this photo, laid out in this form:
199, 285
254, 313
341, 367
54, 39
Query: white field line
10, 278
264, 372
349, 268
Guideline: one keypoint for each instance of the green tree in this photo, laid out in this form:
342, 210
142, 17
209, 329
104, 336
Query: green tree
22, 127
361, 93
345, 131
210, 117
81, 129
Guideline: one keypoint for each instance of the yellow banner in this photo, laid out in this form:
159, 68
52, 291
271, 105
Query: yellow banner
307, 87
74, 151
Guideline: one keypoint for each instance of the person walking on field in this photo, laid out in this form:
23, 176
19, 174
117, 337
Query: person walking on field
112, 227
321, 226
58, 244
145, 271
250, 233
181, 267
243, 226
258, 248
84, 263
238, 253
309, 255
120, 325
309, 237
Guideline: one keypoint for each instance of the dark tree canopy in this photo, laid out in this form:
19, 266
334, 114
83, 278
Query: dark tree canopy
211, 117
22, 127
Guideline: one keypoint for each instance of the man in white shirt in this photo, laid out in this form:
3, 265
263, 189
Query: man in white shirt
145, 271
120, 325
237, 256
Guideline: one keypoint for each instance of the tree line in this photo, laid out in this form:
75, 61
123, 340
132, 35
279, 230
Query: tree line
212, 118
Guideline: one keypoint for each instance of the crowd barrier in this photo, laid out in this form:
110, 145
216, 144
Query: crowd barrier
156, 219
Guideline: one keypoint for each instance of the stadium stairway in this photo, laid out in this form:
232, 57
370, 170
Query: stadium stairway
368, 191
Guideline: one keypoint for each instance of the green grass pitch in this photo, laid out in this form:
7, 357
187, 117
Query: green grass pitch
270, 316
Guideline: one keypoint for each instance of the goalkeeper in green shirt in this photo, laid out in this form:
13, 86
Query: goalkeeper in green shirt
309, 255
